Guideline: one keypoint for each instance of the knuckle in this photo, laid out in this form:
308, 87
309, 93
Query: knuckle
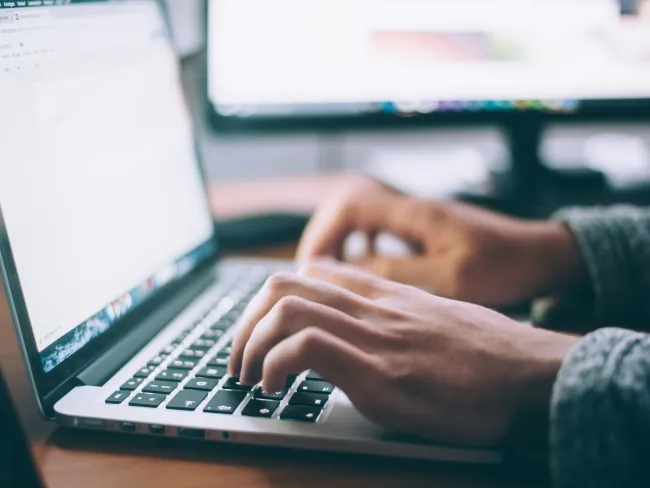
288, 307
279, 282
310, 339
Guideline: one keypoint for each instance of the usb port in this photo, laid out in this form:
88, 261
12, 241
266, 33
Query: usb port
192, 433
96, 424
157, 429
127, 427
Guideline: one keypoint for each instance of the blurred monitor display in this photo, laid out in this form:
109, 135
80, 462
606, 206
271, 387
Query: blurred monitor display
316, 59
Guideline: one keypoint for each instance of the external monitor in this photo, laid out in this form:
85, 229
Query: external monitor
353, 63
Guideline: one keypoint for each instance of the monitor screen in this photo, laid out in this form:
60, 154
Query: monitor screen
100, 188
297, 58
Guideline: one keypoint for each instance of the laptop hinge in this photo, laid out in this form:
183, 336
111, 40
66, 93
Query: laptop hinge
109, 363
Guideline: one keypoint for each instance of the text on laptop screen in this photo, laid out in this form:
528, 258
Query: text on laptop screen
99, 185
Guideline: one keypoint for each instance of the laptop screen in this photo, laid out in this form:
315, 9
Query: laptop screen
100, 189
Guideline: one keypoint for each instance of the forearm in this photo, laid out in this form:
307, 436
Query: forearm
600, 416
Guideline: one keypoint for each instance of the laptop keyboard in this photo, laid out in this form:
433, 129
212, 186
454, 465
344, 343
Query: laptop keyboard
190, 374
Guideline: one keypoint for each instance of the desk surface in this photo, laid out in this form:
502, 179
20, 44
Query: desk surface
78, 459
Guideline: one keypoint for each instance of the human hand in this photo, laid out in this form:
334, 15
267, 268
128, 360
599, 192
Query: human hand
464, 252
409, 361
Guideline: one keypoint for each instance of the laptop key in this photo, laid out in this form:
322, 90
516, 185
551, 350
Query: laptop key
132, 384
203, 384
143, 373
219, 360
187, 400
260, 408
167, 350
313, 375
155, 362
309, 399
164, 387
263, 395
220, 326
301, 413
313, 386
183, 364
192, 354
212, 372
213, 335
225, 402
172, 375
117, 397
149, 400
205, 344
234, 384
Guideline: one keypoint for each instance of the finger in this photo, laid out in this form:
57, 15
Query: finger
412, 271
335, 360
283, 285
348, 276
289, 316
326, 233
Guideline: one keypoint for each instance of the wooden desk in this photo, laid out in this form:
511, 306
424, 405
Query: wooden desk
78, 459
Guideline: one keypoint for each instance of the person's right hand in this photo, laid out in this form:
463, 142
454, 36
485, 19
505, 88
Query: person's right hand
464, 252
444, 370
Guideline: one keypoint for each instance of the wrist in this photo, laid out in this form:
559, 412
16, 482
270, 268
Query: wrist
558, 264
529, 425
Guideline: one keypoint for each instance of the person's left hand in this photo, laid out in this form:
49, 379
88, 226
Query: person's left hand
449, 371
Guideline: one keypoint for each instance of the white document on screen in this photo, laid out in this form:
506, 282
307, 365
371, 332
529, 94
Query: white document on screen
99, 185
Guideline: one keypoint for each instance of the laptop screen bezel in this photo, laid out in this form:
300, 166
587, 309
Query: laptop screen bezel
49, 387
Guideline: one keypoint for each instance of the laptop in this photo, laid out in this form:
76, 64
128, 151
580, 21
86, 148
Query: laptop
17, 466
110, 259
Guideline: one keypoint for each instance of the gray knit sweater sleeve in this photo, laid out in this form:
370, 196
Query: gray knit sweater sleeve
615, 244
600, 413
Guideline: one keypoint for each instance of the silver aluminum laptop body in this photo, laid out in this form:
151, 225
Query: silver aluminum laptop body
93, 383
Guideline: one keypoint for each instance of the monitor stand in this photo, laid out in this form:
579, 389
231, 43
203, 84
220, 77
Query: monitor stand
530, 188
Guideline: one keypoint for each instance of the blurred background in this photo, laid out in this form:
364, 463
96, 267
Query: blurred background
523, 105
